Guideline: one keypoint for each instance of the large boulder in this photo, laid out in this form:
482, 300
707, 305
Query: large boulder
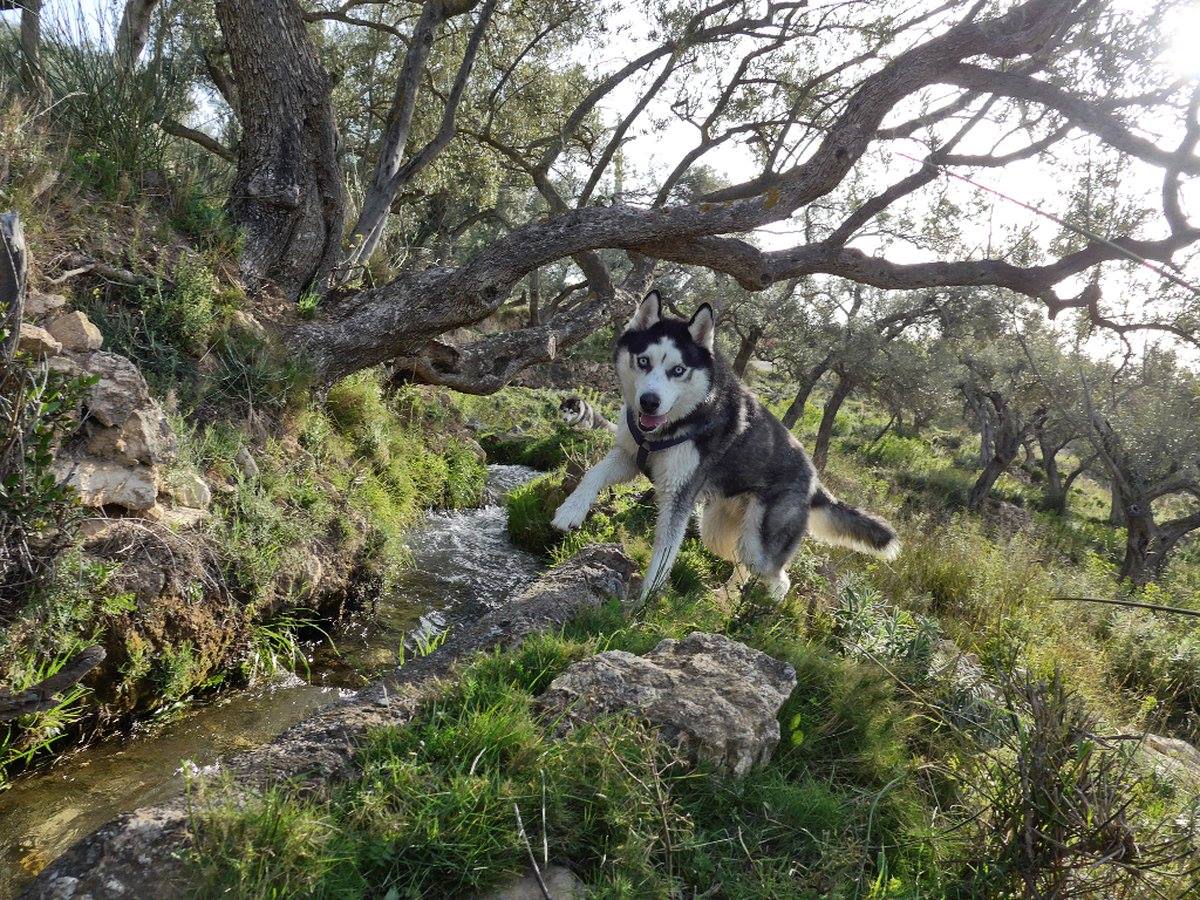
714, 697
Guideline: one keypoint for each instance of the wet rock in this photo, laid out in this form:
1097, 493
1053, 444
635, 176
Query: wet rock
189, 489
119, 390
104, 482
42, 306
76, 332
561, 884
714, 697
37, 341
144, 437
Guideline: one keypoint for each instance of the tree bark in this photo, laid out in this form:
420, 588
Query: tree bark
825, 432
133, 32
803, 390
1140, 563
746, 350
987, 479
535, 297
1054, 496
287, 195
13, 263
31, 45
1116, 511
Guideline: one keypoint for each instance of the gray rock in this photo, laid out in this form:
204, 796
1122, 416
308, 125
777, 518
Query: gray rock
1173, 758
37, 341
41, 306
76, 332
177, 517
245, 462
189, 489
106, 482
561, 884
714, 697
119, 390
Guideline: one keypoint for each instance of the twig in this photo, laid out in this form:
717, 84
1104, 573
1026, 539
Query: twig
1157, 607
40, 696
537, 873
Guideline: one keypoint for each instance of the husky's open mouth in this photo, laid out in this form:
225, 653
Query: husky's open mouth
649, 422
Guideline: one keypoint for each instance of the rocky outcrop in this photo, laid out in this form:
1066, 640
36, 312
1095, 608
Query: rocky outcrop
142, 854
76, 333
37, 341
115, 462
102, 482
39, 306
715, 698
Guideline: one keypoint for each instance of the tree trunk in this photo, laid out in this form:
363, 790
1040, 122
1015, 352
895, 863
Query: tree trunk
840, 392
31, 45
746, 350
13, 262
1141, 563
982, 487
287, 195
1054, 496
793, 413
535, 298
987, 438
1116, 511
133, 32
391, 168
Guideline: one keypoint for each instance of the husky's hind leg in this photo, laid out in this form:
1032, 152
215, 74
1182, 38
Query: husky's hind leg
771, 532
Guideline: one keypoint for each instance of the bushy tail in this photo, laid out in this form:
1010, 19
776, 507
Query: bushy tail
831, 521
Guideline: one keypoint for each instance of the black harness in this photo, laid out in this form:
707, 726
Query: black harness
646, 447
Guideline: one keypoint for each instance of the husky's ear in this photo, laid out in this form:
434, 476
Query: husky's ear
703, 326
647, 313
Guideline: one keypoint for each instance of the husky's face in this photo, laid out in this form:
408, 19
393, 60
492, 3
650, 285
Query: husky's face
665, 365
570, 410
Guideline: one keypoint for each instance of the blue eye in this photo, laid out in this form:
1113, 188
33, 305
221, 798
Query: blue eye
677, 371
643, 363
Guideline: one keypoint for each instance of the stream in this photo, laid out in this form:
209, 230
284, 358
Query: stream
462, 566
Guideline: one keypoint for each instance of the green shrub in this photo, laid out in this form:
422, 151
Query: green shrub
37, 514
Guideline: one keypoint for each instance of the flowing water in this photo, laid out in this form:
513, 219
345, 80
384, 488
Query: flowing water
462, 565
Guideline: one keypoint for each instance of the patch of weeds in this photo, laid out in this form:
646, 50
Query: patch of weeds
306, 305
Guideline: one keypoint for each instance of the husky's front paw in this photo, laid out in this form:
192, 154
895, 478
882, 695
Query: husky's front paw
569, 515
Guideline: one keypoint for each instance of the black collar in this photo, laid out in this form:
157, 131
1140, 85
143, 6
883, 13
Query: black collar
646, 446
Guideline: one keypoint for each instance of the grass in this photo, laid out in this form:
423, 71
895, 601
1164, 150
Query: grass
887, 782
433, 806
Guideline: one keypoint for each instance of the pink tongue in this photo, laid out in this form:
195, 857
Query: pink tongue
648, 422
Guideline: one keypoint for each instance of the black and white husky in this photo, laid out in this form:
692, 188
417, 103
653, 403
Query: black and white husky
579, 413
698, 433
